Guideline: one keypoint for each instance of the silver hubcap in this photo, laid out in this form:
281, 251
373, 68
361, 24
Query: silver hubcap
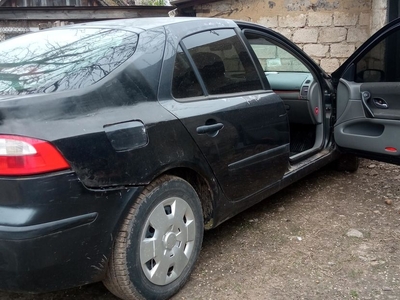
167, 241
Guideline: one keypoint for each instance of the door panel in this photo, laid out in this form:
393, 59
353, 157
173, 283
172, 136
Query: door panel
368, 98
241, 128
382, 100
363, 126
245, 139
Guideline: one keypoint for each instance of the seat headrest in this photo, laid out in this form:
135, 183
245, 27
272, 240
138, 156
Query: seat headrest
209, 64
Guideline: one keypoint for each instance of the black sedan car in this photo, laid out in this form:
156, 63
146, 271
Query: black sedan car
122, 141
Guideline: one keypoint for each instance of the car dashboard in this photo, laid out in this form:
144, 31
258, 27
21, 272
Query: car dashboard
300, 94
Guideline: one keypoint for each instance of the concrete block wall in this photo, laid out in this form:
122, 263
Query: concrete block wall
328, 30
273, 58
379, 16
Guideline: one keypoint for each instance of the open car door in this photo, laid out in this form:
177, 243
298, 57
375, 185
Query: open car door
368, 98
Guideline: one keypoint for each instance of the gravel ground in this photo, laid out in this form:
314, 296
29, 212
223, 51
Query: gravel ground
332, 235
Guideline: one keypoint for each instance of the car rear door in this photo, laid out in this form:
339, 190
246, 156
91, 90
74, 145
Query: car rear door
240, 126
368, 98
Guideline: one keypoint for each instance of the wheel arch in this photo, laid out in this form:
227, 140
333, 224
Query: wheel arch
206, 190
204, 184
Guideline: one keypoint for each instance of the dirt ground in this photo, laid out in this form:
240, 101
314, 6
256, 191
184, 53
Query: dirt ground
332, 235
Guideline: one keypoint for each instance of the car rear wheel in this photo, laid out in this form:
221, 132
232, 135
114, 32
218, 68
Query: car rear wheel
159, 242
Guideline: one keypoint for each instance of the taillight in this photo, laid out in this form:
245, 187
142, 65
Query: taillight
27, 156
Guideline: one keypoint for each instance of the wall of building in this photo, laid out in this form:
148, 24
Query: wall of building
328, 30
379, 14
15, 21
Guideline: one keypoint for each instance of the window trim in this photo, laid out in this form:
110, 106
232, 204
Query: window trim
222, 96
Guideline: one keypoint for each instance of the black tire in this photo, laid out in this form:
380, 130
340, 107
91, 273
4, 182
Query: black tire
347, 162
168, 213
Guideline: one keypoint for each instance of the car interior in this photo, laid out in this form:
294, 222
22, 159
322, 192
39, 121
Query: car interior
368, 113
301, 93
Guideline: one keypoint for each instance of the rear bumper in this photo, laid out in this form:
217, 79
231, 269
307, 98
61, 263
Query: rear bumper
55, 233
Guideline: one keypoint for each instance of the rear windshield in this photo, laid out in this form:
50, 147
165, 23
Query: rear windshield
64, 59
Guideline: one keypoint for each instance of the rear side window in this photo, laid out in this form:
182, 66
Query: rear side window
184, 82
64, 59
222, 61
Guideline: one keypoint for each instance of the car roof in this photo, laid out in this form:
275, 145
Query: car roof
142, 24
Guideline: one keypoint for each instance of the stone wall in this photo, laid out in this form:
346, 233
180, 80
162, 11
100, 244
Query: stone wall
379, 14
328, 30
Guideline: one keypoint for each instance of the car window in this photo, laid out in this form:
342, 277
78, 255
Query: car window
283, 70
274, 58
184, 81
63, 59
223, 62
381, 63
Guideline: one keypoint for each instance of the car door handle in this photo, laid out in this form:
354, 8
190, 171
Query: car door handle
380, 103
365, 96
210, 129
